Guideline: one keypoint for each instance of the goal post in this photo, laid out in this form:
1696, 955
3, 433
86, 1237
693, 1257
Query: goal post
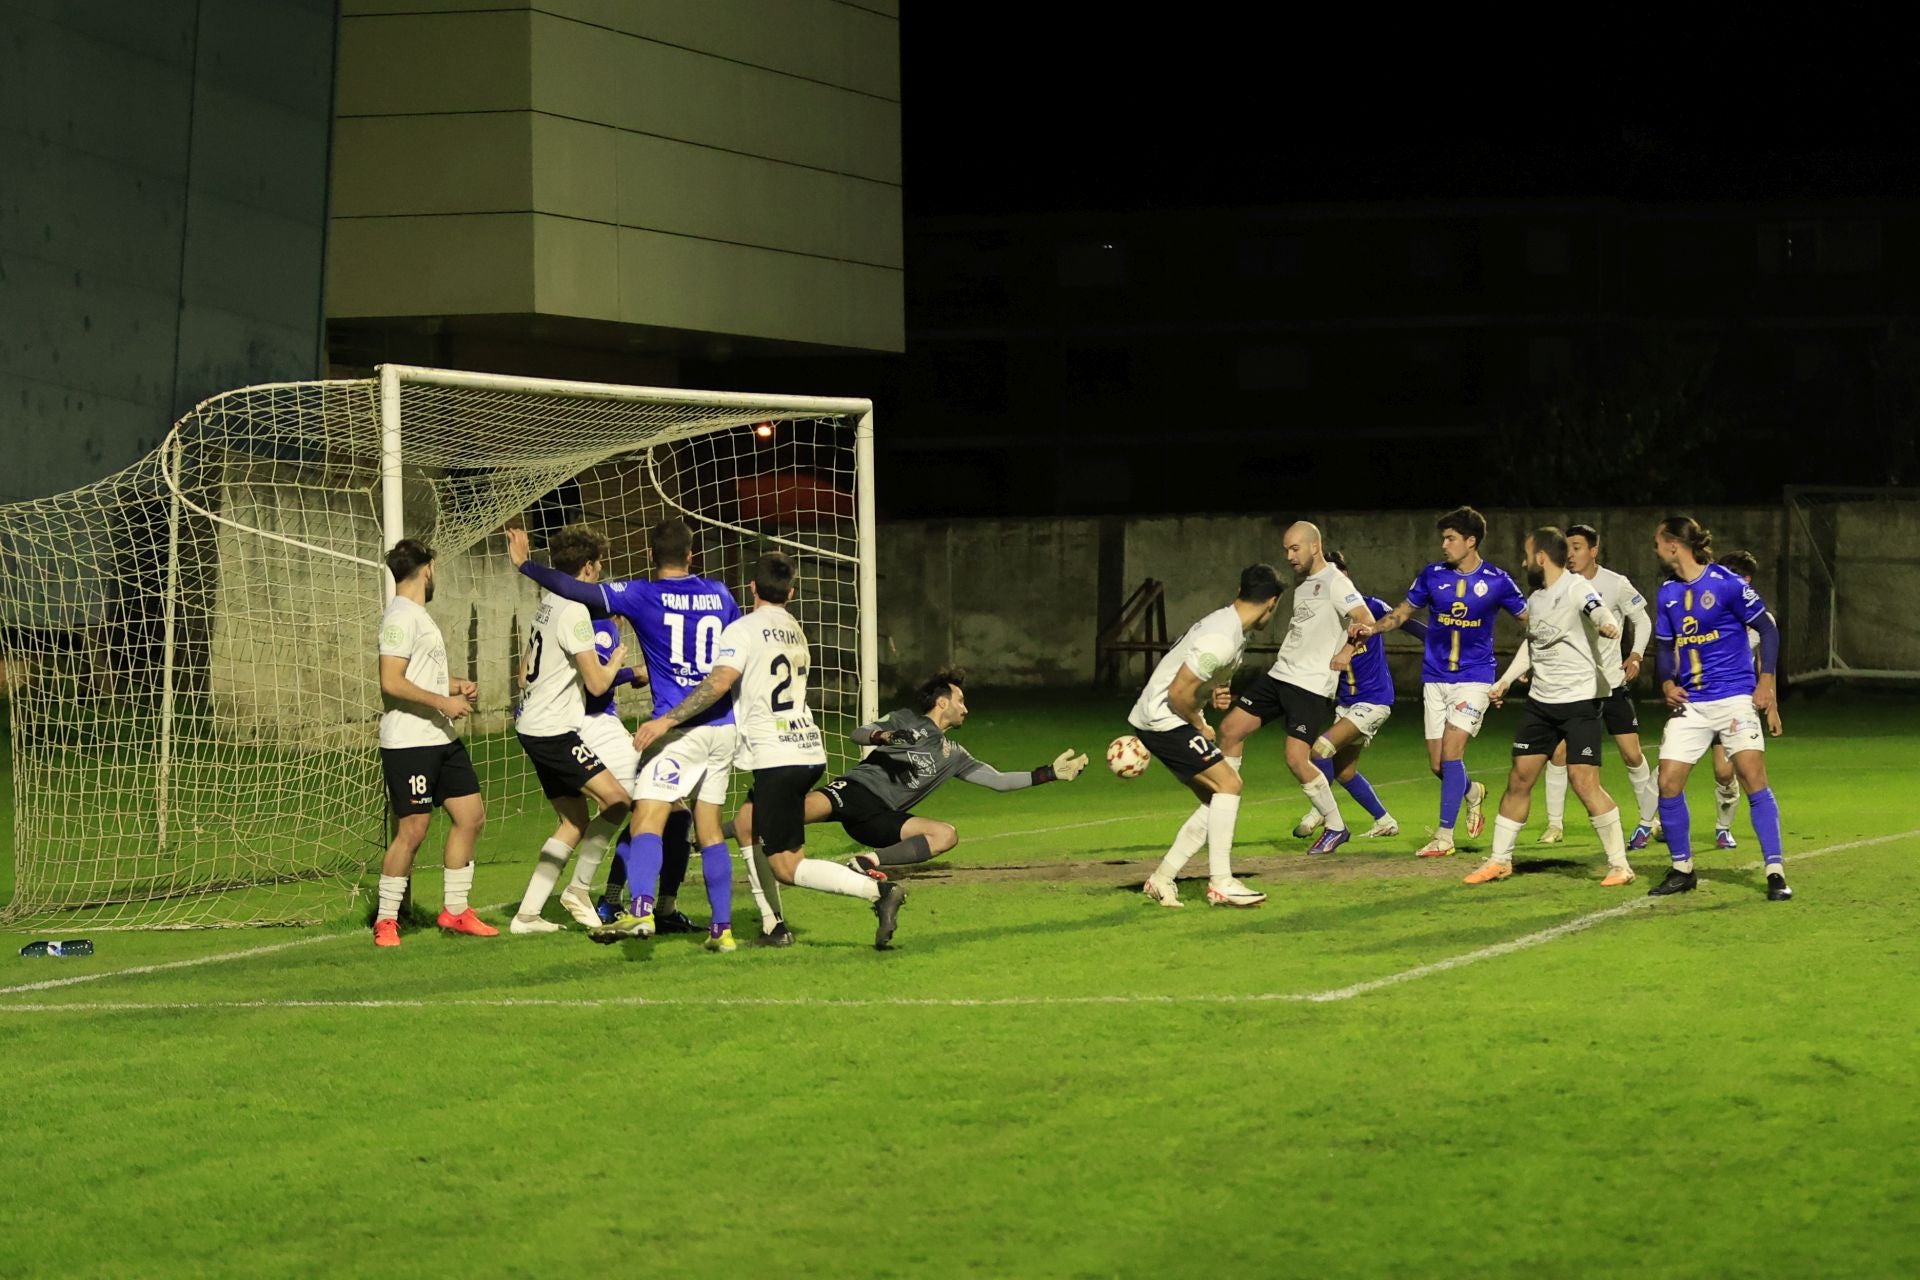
191, 643
1852, 560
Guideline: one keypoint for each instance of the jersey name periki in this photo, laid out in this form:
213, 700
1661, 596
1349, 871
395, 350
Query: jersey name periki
769, 650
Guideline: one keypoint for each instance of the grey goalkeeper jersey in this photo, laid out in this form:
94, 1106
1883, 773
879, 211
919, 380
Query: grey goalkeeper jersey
917, 758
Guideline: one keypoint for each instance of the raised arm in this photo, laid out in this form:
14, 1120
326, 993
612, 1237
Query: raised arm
564, 585
1396, 618
1065, 768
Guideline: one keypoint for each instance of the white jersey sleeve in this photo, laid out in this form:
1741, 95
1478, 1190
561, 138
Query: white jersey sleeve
768, 649
556, 696
408, 631
1211, 649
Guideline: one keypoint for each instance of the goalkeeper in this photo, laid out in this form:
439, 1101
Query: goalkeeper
911, 756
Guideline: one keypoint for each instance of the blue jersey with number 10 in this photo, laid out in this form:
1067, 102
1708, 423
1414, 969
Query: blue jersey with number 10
678, 622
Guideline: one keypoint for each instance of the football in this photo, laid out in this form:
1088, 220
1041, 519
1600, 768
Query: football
1128, 757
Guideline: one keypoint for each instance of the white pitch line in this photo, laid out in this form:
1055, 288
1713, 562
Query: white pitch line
1332, 996
219, 958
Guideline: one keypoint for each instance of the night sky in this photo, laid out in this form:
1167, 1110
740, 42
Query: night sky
1099, 112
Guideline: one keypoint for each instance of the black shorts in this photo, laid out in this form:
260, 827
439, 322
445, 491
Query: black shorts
779, 799
563, 763
1548, 724
1617, 710
1305, 713
1184, 750
419, 778
864, 815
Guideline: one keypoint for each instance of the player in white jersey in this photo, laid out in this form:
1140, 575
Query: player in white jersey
1298, 689
762, 660
559, 668
1170, 720
1568, 626
1622, 721
1726, 789
424, 764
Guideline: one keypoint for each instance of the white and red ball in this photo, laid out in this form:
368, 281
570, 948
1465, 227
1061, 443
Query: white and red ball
1128, 757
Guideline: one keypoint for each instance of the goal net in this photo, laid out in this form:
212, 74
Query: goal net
190, 644
1852, 562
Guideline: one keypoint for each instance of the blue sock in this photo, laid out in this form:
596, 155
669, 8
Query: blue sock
1324, 766
1361, 790
718, 871
1674, 818
643, 871
1765, 812
1453, 790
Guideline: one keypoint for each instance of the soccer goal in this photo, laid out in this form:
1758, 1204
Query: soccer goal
190, 644
1852, 562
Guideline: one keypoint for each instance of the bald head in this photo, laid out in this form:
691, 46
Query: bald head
1303, 548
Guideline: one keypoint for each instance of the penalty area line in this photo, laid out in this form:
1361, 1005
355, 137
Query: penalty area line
1331, 996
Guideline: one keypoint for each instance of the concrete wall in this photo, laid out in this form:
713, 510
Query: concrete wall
724, 169
1020, 602
162, 218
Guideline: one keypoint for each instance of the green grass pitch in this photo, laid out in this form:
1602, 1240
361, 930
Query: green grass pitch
1049, 1077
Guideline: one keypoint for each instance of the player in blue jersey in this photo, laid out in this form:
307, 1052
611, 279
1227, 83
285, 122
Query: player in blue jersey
1361, 705
1707, 676
1726, 788
677, 616
1463, 595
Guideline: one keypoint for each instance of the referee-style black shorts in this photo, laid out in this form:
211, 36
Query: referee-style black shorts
1184, 750
1548, 724
864, 815
780, 805
1619, 714
419, 778
563, 763
1305, 713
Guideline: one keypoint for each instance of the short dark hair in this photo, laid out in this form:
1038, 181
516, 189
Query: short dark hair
1587, 531
1549, 540
1466, 522
1741, 563
937, 686
773, 578
1259, 583
1698, 537
575, 547
1335, 559
670, 542
408, 557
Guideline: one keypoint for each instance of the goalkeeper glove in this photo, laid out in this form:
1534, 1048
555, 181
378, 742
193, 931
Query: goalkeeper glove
1067, 766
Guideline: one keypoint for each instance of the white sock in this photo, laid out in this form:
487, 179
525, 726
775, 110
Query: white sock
1222, 812
586, 866
393, 890
831, 877
1443, 835
1556, 794
1725, 800
1607, 826
1646, 792
1234, 762
458, 884
766, 898
1186, 843
1320, 796
546, 874
1505, 832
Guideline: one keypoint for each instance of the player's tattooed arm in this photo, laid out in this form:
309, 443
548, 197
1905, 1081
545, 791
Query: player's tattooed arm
1394, 620
704, 695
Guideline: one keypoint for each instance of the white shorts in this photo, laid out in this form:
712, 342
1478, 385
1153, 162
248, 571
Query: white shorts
698, 760
612, 741
1692, 730
1462, 706
1367, 717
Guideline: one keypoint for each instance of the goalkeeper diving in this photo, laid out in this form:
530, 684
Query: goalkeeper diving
910, 757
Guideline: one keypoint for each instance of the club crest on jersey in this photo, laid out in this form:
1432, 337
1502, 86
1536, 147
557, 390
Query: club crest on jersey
1706, 601
946, 749
1479, 588
1316, 588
